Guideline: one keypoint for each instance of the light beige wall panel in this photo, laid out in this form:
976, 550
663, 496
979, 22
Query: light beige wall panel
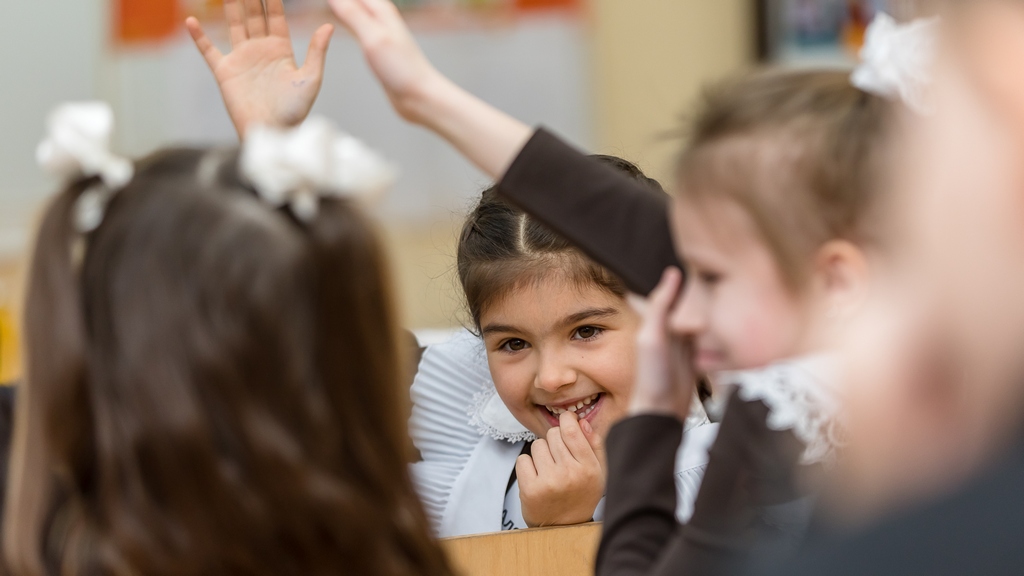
651, 58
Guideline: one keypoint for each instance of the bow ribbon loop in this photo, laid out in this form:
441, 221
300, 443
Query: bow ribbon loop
897, 60
297, 166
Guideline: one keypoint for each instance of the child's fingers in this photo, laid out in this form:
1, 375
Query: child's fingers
556, 444
542, 460
526, 471
235, 16
659, 303
317, 55
206, 47
255, 19
572, 436
596, 444
277, 22
664, 295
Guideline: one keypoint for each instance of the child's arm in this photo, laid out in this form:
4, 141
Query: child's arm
563, 479
483, 134
614, 219
259, 79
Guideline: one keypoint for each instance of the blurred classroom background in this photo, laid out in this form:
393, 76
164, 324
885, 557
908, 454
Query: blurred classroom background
607, 74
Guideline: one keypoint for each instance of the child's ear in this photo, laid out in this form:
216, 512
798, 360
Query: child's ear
842, 274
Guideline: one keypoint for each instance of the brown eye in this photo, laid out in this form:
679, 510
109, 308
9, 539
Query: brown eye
587, 332
515, 345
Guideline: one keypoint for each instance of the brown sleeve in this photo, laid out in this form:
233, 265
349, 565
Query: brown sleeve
614, 219
750, 469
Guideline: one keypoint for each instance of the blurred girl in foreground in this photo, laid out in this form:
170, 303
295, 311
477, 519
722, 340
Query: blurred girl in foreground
213, 380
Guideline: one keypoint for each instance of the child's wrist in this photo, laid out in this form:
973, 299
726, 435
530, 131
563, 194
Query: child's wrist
428, 100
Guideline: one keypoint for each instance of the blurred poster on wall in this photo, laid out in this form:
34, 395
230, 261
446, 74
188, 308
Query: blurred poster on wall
146, 21
418, 9
151, 21
822, 32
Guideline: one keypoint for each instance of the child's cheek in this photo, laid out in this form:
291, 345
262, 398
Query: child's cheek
754, 337
514, 383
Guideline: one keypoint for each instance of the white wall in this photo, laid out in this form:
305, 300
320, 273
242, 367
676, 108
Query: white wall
57, 50
50, 51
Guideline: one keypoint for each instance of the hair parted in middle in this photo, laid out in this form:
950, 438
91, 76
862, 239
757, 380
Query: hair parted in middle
501, 249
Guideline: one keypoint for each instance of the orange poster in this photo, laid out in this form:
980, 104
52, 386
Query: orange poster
137, 21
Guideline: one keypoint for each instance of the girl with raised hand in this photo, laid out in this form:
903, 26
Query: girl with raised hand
213, 369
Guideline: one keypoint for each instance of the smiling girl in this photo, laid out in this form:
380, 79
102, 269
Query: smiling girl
550, 374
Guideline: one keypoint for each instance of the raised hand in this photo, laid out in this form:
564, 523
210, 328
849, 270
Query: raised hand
485, 135
664, 380
390, 50
259, 79
563, 480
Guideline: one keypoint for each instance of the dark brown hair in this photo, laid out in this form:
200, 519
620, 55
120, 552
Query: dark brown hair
212, 389
800, 151
501, 249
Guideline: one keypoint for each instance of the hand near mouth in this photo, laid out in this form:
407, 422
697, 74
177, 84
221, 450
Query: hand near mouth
563, 481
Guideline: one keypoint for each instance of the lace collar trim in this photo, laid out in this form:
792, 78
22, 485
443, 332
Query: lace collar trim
801, 396
489, 415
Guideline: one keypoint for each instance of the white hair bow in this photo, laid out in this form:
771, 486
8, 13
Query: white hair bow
297, 165
897, 59
78, 145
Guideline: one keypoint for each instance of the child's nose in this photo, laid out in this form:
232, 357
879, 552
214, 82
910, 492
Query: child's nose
553, 373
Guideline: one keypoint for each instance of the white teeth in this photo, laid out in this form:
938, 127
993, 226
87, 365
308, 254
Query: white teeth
576, 407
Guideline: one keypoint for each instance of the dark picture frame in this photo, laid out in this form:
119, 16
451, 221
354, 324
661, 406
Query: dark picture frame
819, 32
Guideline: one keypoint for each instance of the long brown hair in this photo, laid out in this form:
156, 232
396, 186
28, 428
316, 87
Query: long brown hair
212, 388
801, 151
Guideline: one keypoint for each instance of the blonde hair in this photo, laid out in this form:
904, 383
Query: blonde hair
799, 151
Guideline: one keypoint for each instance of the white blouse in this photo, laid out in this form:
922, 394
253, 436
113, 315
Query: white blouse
469, 442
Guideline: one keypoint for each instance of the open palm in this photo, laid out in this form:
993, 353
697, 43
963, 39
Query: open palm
259, 79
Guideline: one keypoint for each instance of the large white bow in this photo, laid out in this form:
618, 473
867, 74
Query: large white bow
78, 144
897, 60
295, 166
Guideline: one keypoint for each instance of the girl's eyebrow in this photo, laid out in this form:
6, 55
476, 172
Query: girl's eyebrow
498, 329
588, 314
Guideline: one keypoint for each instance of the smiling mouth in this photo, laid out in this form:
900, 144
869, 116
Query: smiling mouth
582, 408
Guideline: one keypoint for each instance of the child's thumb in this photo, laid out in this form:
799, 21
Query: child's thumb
596, 443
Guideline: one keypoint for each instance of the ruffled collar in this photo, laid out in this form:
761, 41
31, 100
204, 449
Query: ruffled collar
801, 396
489, 415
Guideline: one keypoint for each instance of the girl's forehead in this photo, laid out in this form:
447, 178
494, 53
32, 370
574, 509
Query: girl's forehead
549, 299
713, 226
